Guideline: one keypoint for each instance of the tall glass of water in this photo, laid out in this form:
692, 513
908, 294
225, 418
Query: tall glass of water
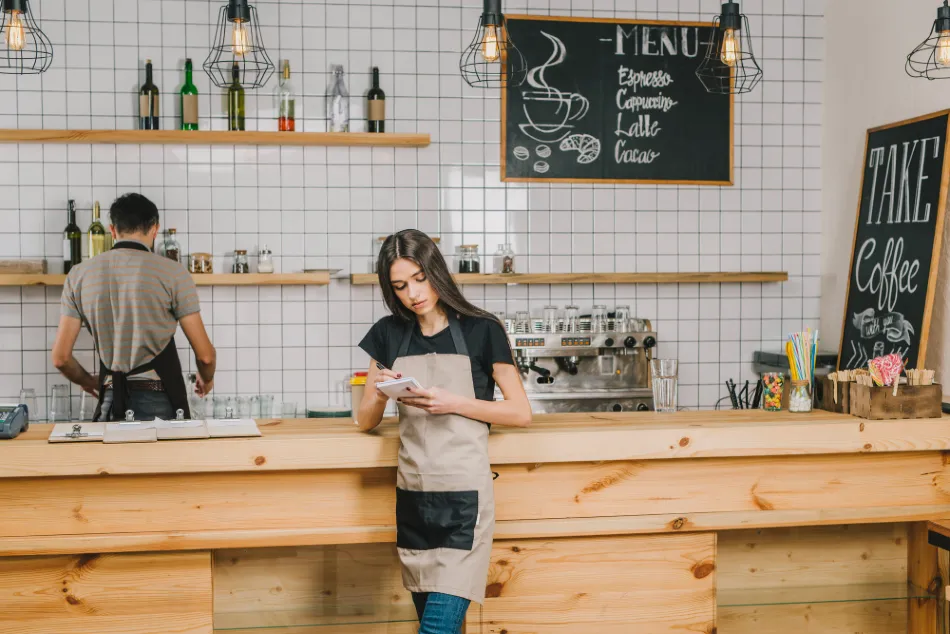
665, 373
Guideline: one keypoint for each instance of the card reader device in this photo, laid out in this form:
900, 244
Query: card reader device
13, 420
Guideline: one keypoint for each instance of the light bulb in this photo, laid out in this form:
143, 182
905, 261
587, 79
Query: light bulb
942, 52
240, 39
490, 44
730, 48
16, 41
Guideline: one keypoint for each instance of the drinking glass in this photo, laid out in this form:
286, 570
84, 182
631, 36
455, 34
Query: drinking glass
221, 403
59, 404
522, 322
267, 405
288, 409
28, 398
87, 406
665, 373
621, 318
550, 319
243, 407
598, 318
571, 322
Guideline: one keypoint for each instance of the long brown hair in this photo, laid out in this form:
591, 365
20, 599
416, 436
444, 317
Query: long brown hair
414, 245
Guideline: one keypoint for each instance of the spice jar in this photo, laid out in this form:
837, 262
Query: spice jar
468, 260
799, 397
240, 262
171, 249
265, 261
200, 263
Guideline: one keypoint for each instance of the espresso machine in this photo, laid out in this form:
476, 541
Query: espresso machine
584, 363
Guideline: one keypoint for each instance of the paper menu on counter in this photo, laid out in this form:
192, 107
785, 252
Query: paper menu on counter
232, 427
130, 432
77, 432
181, 429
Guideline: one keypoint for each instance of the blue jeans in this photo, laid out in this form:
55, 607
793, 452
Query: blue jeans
146, 405
440, 613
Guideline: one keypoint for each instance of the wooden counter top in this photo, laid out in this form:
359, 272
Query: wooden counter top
558, 438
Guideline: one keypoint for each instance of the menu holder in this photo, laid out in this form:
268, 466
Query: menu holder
181, 429
130, 432
77, 432
233, 428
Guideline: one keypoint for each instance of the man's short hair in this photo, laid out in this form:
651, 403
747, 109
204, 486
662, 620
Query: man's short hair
133, 213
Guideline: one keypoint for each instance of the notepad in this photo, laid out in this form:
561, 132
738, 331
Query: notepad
181, 429
398, 388
130, 432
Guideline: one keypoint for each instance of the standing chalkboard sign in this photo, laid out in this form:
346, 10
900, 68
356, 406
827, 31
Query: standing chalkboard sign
897, 239
614, 101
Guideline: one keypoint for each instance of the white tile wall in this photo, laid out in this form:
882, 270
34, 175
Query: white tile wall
323, 207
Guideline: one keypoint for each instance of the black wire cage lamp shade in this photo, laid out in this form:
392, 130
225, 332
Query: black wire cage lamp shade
24, 48
492, 60
238, 40
730, 66
931, 58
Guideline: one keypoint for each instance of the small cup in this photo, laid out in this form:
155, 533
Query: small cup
523, 322
665, 375
28, 398
59, 404
267, 406
598, 318
288, 409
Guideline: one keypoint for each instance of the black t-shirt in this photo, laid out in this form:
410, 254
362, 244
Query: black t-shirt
486, 340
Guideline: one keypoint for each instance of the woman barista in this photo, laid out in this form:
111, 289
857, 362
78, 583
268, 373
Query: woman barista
445, 512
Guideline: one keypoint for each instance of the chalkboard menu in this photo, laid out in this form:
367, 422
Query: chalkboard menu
897, 240
614, 101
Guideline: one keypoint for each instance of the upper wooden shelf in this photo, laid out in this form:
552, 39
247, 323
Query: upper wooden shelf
364, 279
321, 278
214, 137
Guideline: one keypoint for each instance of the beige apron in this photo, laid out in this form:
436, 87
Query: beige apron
445, 504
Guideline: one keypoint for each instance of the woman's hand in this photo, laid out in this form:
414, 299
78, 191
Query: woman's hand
381, 377
435, 400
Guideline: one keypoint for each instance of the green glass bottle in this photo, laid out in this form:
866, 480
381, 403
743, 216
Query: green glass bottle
235, 100
189, 100
96, 233
72, 241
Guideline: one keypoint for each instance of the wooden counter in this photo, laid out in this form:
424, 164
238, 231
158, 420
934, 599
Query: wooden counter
614, 523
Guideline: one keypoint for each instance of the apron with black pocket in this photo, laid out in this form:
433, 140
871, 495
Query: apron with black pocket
445, 504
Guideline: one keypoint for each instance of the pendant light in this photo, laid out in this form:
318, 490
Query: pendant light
730, 66
492, 59
931, 59
24, 48
238, 40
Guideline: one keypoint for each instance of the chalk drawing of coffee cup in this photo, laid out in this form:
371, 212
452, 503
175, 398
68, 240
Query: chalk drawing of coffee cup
550, 111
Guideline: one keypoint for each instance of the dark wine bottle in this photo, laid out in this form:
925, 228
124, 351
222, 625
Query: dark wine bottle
376, 106
72, 241
148, 101
235, 100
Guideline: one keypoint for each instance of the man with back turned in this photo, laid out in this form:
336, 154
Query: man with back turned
132, 301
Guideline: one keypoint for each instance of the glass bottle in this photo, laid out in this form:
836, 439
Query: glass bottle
189, 100
96, 233
498, 260
376, 106
72, 240
508, 260
468, 262
265, 261
286, 101
240, 262
338, 103
171, 248
236, 100
799, 397
148, 101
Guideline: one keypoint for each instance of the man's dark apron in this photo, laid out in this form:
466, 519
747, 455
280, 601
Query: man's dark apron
445, 504
166, 365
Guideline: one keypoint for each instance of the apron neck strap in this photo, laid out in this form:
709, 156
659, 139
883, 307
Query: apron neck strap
130, 244
454, 328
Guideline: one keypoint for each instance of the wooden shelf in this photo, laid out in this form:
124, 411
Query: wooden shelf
214, 137
363, 279
252, 279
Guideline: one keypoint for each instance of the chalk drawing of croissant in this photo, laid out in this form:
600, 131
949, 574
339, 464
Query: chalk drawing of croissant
548, 110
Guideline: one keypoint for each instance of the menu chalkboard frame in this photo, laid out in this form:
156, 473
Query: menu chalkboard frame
616, 181
937, 241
